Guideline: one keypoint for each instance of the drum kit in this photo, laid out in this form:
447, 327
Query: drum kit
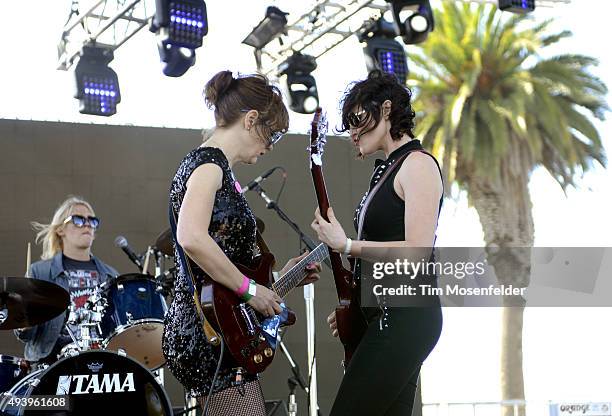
113, 358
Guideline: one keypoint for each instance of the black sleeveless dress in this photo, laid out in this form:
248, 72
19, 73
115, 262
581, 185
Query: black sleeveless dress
190, 358
382, 375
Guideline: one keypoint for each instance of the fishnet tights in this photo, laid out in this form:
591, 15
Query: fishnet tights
246, 400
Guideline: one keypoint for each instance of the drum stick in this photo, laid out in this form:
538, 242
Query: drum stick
28, 260
145, 267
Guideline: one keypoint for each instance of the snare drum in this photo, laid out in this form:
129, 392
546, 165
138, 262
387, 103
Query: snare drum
95, 383
12, 369
133, 321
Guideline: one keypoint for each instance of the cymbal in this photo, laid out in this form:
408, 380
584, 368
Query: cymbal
164, 243
30, 302
164, 240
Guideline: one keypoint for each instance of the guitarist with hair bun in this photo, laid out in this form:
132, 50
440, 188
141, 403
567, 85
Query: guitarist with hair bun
214, 233
400, 209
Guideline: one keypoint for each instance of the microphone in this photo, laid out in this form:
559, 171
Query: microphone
249, 186
123, 244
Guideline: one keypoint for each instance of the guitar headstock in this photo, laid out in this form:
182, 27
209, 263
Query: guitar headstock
318, 136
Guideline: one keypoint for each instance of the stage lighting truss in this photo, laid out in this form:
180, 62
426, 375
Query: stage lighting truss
327, 24
108, 23
97, 85
301, 85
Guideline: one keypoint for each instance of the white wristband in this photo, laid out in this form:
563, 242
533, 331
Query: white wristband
347, 247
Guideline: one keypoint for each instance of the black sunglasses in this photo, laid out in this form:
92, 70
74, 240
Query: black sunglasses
355, 119
80, 221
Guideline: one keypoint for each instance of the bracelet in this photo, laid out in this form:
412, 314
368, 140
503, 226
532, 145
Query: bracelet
244, 287
252, 291
347, 247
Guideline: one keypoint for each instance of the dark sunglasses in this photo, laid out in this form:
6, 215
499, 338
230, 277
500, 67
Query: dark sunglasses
355, 119
80, 221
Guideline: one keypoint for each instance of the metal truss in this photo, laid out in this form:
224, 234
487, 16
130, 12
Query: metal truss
111, 23
108, 23
329, 23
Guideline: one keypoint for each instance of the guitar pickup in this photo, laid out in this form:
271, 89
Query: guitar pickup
247, 319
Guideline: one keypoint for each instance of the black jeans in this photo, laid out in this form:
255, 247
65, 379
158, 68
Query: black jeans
382, 375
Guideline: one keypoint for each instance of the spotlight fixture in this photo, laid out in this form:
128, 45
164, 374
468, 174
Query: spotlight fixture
517, 6
302, 87
272, 25
97, 85
413, 19
180, 26
382, 51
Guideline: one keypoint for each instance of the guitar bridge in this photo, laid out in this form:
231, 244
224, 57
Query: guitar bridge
247, 319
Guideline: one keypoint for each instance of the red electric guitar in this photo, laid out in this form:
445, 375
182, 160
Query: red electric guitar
249, 337
351, 322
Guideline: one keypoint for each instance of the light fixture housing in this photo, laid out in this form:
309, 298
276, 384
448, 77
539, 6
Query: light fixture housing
413, 19
180, 26
517, 6
96, 85
382, 51
272, 25
301, 85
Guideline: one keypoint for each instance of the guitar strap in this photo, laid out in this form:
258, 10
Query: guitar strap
211, 335
371, 194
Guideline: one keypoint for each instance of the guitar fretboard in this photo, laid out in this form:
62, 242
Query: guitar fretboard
297, 273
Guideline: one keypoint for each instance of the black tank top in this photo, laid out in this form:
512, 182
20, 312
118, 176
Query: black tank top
384, 219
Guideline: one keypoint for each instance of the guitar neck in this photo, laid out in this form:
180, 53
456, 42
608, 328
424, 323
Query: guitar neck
296, 274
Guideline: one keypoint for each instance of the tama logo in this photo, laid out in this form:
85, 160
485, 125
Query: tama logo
95, 383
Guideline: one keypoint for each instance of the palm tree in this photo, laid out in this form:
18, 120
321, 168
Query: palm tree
493, 109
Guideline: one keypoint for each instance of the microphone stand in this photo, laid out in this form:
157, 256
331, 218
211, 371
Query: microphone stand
313, 405
297, 378
271, 204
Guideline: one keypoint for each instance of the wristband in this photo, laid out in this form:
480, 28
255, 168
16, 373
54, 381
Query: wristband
347, 247
251, 291
244, 287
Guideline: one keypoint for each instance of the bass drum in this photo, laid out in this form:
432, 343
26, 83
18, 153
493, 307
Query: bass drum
12, 369
96, 383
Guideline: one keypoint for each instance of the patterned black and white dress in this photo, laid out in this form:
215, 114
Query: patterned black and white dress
190, 358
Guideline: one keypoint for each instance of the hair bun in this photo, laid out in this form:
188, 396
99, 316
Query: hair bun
217, 87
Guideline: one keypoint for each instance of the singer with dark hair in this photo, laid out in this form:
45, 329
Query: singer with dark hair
68, 262
216, 229
403, 211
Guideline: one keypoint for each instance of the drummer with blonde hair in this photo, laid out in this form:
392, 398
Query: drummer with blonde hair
68, 262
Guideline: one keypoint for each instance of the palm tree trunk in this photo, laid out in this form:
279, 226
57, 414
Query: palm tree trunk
504, 207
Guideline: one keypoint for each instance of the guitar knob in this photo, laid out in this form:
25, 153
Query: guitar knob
262, 338
258, 358
268, 352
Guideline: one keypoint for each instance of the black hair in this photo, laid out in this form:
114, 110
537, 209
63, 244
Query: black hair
369, 95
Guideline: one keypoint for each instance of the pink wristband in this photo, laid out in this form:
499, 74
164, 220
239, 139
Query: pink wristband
244, 287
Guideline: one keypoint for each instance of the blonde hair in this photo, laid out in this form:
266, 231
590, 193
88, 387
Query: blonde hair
47, 233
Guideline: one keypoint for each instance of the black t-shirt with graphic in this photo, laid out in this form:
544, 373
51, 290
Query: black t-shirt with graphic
83, 278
